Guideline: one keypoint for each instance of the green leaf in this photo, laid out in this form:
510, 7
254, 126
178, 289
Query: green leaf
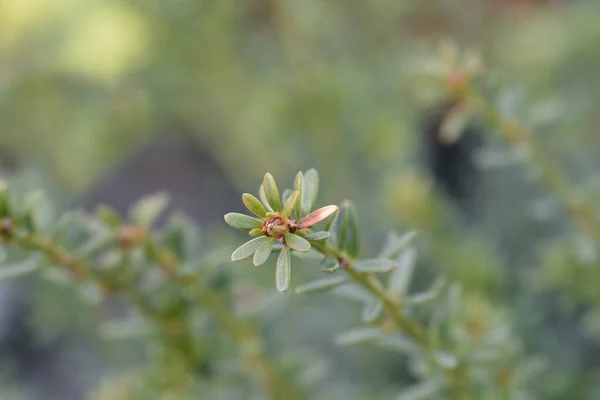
243, 222
182, 237
399, 343
454, 124
371, 311
401, 277
145, 212
290, 203
446, 360
317, 236
428, 296
285, 195
283, 271
249, 248
263, 252
2, 254
296, 242
109, 216
311, 255
263, 198
271, 192
321, 285
19, 269
317, 216
124, 330
310, 190
298, 185
4, 201
336, 227
355, 293
254, 205
350, 226
374, 266
430, 389
359, 336
329, 264
395, 244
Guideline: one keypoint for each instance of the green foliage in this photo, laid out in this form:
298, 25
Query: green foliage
445, 349
276, 85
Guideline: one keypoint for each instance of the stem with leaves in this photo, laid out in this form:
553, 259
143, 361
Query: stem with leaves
388, 308
119, 259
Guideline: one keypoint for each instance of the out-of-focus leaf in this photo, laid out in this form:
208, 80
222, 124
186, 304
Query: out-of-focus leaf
94, 244
4, 201
374, 266
427, 390
299, 187
371, 311
31, 201
401, 277
351, 243
358, 336
399, 343
354, 292
310, 190
145, 212
446, 360
321, 285
123, 330
182, 237
283, 271
109, 216
455, 123
17, 270
335, 226
428, 296
395, 244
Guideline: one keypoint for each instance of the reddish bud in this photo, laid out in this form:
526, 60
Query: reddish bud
317, 216
129, 236
7, 228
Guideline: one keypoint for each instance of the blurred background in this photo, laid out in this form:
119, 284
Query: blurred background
105, 101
